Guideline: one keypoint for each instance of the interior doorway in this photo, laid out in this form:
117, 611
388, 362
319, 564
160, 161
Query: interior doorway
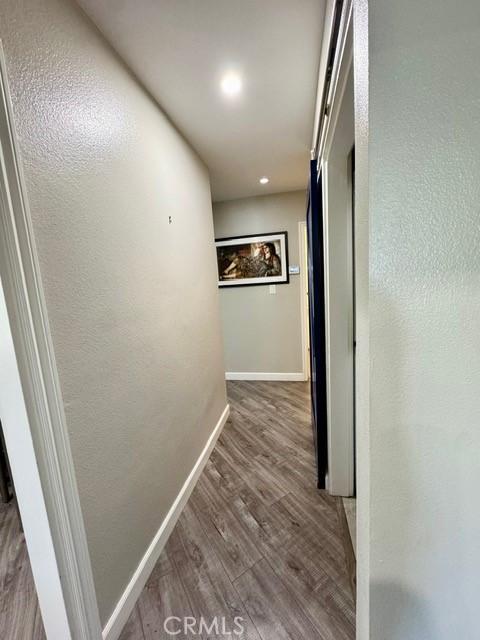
339, 280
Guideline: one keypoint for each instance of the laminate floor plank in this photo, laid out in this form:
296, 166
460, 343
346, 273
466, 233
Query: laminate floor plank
163, 607
257, 540
233, 544
38, 631
296, 432
133, 630
350, 506
165, 563
323, 590
223, 479
254, 443
274, 610
286, 449
208, 587
266, 524
348, 547
20, 617
314, 516
229, 457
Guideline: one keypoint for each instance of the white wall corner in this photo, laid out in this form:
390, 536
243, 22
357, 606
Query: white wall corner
125, 605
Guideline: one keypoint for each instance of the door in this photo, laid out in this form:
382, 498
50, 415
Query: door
316, 294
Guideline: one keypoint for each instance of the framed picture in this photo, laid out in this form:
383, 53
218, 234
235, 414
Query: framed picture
252, 260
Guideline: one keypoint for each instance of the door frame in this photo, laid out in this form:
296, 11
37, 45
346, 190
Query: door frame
341, 441
304, 313
33, 417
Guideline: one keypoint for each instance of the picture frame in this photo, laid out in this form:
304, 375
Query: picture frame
253, 260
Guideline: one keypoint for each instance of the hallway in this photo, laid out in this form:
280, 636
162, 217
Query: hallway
256, 541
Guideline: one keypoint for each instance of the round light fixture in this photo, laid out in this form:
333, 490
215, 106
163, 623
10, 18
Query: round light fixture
264, 180
231, 84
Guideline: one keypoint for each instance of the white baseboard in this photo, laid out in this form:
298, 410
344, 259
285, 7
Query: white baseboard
125, 605
255, 375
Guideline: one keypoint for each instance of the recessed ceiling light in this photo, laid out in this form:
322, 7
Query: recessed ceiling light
264, 180
231, 84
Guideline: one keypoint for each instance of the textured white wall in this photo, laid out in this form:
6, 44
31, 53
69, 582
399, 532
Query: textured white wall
132, 299
262, 332
424, 314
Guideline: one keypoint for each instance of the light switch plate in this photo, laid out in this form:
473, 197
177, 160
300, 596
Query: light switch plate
294, 269
273, 288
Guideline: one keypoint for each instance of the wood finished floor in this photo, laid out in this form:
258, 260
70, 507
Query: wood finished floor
19, 611
256, 539
350, 506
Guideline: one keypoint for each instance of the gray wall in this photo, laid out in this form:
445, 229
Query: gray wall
420, 159
132, 300
262, 332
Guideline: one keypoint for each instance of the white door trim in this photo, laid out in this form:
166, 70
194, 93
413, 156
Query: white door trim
344, 49
28, 488
341, 458
344, 62
302, 227
322, 72
65, 563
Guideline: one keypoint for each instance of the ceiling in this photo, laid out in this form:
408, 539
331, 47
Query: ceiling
180, 49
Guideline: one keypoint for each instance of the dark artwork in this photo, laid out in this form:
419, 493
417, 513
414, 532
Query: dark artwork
263, 260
